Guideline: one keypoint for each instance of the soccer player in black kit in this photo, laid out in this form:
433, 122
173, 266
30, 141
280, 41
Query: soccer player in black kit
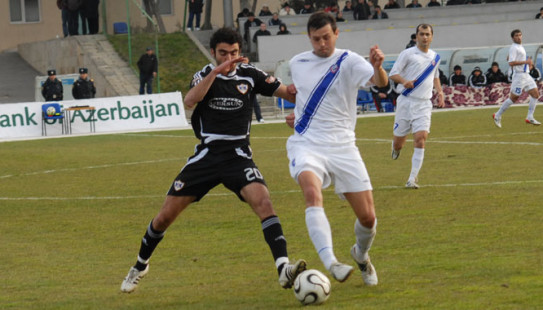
222, 121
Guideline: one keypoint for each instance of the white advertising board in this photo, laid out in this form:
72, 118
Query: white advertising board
113, 114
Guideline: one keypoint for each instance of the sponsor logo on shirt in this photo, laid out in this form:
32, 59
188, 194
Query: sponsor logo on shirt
226, 104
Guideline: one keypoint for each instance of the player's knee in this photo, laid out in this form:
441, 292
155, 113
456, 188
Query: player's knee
313, 196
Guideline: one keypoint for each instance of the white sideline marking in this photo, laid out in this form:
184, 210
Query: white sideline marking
91, 167
271, 192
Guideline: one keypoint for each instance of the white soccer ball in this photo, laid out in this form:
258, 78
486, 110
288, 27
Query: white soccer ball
51, 111
312, 287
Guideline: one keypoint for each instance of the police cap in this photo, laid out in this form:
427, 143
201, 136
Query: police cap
51, 72
83, 70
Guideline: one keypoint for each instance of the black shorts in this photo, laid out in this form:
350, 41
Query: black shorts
209, 167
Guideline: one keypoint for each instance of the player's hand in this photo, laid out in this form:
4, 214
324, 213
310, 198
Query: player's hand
291, 89
440, 100
289, 119
229, 65
376, 56
409, 84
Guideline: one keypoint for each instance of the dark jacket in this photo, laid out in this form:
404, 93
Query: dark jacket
248, 24
90, 8
477, 81
52, 90
259, 33
535, 74
497, 77
83, 89
384, 15
195, 6
148, 64
457, 79
361, 11
73, 5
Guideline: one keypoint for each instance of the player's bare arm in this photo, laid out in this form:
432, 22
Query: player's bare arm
440, 96
198, 92
521, 62
398, 79
380, 77
286, 92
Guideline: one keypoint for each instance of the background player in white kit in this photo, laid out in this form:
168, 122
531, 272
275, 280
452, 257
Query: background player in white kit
522, 81
322, 149
416, 74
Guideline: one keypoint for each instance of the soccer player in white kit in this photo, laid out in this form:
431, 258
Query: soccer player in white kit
522, 81
322, 149
416, 74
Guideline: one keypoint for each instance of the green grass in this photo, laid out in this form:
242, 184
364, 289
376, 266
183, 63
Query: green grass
179, 58
74, 211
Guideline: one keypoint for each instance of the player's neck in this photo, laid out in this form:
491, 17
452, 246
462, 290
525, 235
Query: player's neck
423, 49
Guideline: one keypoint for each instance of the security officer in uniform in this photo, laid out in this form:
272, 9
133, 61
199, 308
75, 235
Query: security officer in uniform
84, 87
52, 89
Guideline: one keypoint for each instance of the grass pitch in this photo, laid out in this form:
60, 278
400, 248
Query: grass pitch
74, 211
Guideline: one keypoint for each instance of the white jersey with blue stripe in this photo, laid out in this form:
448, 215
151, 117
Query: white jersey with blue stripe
518, 53
327, 89
411, 63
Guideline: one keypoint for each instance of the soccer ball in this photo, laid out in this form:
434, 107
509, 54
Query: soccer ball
312, 287
51, 111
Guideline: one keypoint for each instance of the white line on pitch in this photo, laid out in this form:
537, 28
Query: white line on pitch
272, 192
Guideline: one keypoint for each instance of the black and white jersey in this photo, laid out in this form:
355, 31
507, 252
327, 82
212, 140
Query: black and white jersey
224, 115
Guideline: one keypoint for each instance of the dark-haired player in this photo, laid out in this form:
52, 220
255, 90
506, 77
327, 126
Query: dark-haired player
222, 121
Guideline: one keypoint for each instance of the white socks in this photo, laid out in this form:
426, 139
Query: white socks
364, 239
416, 163
531, 108
505, 105
320, 233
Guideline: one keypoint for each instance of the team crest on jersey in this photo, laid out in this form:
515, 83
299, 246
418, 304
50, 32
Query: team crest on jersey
334, 68
433, 62
178, 185
243, 88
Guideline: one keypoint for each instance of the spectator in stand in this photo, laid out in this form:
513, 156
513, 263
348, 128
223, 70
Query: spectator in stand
61, 4
195, 10
477, 79
252, 21
333, 8
348, 6
495, 75
443, 78
274, 21
379, 14
73, 16
361, 11
283, 30
381, 94
392, 4
244, 13
412, 42
433, 3
414, 4
339, 17
265, 11
308, 8
457, 78
91, 11
263, 31
540, 14
534, 73
286, 10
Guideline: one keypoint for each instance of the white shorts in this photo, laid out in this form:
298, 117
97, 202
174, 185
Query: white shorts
522, 81
341, 165
412, 115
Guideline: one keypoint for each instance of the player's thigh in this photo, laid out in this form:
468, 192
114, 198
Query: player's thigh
197, 177
348, 170
240, 172
306, 157
402, 118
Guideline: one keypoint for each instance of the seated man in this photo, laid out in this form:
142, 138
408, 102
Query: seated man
263, 31
274, 21
477, 79
495, 75
457, 78
380, 94
534, 73
414, 4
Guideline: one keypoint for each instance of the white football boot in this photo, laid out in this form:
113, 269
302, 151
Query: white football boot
290, 272
132, 279
369, 275
341, 272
